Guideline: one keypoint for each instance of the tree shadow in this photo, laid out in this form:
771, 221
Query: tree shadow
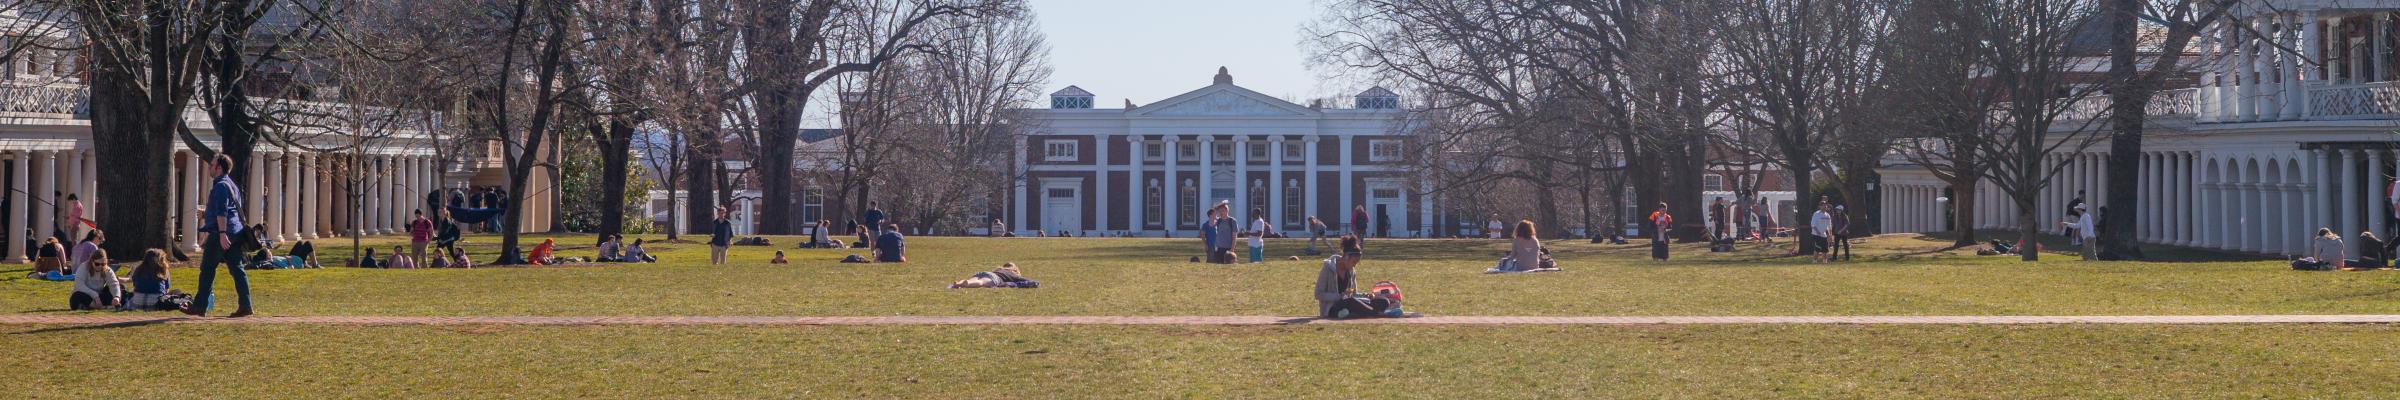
113, 325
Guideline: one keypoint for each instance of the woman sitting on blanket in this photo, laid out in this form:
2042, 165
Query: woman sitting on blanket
544, 254
1525, 253
1007, 276
150, 291
1337, 287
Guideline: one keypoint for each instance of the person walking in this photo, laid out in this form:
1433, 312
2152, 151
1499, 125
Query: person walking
2082, 227
221, 222
720, 235
1258, 236
1358, 221
1719, 227
874, 217
1841, 233
1495, 228
1660, 222
420, 232
1820, 233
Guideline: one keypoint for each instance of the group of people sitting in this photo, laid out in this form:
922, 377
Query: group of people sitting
2327, 252
98, 286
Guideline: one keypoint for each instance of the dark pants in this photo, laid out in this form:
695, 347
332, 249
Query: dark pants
81, 301
210, 256
1357, 308
1841, 245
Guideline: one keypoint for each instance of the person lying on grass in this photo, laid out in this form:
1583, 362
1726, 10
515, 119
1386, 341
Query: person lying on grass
1337, 287
779, 258
1007, 276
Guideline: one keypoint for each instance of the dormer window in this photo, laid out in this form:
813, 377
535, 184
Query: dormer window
1071, 98
1378, 98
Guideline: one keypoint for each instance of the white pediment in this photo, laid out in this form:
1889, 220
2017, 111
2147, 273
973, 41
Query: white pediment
1223, 100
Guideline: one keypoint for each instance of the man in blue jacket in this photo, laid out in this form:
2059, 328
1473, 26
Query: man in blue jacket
221, 222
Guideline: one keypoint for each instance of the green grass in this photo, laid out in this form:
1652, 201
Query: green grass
2085, 361
1906, 276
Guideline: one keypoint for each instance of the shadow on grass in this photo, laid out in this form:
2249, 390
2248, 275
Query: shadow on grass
2059, 245
126, 324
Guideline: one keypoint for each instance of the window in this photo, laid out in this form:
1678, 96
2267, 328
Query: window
1712, 183
1188, 152
1383, 150
1258, 151
812, 204
1060, 150
1188, 196
1153, 211
1258, 197
1384, 193
1291, 151
1224, 151
1291, 204
1061, 193
1154, 150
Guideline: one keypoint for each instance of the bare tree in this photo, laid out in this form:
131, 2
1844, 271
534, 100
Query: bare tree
2134, 77
1795, 69
2028, 51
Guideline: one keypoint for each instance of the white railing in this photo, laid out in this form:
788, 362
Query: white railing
2164, 103
2361, 101
57, 101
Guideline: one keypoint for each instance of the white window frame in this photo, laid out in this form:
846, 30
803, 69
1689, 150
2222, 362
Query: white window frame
1224, 151
1293, 151
1154, 212
1154, 150
1719, 180
1258, 151
1188, 152
1061, 150
1374, 153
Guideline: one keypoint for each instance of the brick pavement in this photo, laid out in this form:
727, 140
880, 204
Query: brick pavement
138, 319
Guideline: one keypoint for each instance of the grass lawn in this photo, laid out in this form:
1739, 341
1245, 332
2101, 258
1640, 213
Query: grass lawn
1907, 275
249, 361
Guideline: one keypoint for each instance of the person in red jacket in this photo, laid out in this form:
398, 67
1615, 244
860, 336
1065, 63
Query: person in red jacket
420, 232
1659, 222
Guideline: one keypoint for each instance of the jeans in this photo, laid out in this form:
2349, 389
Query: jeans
1356, 307
1258, 254
210, 256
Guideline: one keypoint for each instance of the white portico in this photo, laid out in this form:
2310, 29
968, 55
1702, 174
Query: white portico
1154, 169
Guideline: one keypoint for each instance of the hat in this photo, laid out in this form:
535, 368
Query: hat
2079, 206
1840, 208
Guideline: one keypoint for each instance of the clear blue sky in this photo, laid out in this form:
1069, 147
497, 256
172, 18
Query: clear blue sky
1149, 50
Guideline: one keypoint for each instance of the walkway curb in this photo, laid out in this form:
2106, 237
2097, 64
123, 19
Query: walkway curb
1205, 320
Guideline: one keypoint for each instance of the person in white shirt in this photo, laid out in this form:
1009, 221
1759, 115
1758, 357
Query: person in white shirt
1820, 232
2084, 233
1494, 228
1258, 236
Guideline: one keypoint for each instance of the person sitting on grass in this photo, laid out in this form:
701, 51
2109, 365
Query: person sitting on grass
150, 289
779, 258
96, 285
400, 260
2373, 252
817, 238
635, 254
2326, 252
544, 254
369, 260
1007, 276
304, 254
1525, 252
458, 259
50, 261
1337, 287
889, 247
611, 247
864, 241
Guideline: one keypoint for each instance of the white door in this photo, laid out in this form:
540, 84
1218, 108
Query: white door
1062, 209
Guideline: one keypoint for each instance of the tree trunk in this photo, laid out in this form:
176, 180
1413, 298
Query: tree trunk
616, 155
1962, 215
2128, 98
779, 131
134, 160
2029, 229
700, 180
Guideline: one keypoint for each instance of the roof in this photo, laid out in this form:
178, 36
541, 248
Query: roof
1071, 91
1378, 91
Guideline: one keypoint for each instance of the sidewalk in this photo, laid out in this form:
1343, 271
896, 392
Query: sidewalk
1203, 320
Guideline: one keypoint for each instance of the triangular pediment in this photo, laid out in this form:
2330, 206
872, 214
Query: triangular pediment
1223, 100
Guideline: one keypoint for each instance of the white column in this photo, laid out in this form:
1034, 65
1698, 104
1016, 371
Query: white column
1100, 180
1275, 183
2205, 98
254, 199
195, 184
2204, 201
18, 176
2293, 96
1172, 215
370, 197
91, 185
1425, 228
309, 230
2312, 55
2179, 194
1308, 179
2350, 217
45, 214
2227, 86
72, 165
2245, 61
2245, 201
1241, 179
2148, 198
1138, 190
1208, 172
1349, 190
2377, 211
2270, 71
270, 196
